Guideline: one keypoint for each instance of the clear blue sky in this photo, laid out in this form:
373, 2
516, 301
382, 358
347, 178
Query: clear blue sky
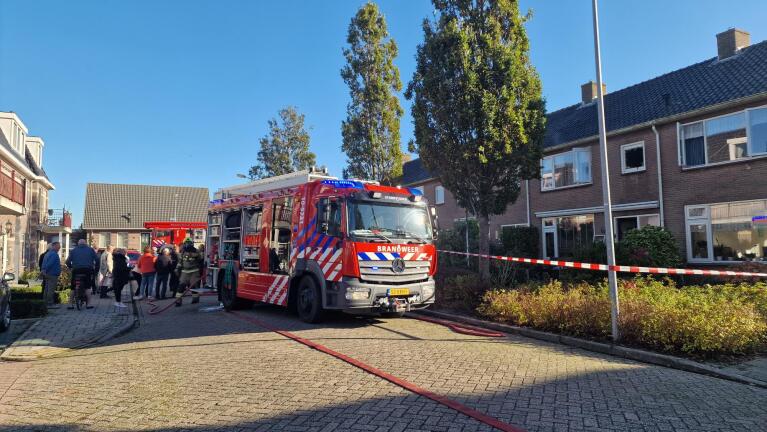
179, 92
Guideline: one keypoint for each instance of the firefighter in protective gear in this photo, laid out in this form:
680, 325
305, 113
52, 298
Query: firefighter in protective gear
189, 271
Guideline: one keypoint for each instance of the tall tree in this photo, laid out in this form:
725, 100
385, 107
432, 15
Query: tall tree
285, 148
477, 106
370, 132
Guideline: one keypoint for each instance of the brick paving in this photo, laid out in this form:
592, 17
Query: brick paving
63, 329
193, 371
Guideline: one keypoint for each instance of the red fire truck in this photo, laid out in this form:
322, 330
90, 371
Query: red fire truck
325, 244
174, 233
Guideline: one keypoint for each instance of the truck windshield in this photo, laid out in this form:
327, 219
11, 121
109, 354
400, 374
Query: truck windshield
383, 222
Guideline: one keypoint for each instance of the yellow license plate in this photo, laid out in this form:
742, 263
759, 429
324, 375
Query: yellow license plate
399, 291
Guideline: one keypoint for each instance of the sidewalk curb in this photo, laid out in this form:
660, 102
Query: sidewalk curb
604, 348
100, 338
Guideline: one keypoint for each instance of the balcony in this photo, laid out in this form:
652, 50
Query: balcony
12, 193
56, 221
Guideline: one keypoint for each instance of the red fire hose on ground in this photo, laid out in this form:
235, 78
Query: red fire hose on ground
463, 409
460, 328
156, 309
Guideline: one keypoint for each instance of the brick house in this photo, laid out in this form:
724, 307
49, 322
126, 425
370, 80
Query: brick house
687, 150
26, 222
115, 213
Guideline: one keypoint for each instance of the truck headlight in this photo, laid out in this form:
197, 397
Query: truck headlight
357, 293
427, 292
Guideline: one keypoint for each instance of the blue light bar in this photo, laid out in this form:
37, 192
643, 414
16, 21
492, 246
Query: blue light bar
343, 184
415, 191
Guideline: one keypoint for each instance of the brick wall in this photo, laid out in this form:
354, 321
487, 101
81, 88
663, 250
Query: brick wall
134, 238
734, 181
450, 211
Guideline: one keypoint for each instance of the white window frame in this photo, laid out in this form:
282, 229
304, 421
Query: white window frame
704, 219
574, 151
439, 194
105, 238
119, 236
631, 146
551, 229
615, 220
747, 121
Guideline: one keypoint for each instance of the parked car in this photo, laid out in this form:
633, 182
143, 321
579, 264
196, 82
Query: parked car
133, 257
5, 301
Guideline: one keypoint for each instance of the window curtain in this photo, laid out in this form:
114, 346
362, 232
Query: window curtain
694, 151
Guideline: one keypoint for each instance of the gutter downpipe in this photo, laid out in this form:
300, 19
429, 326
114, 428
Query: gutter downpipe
527, 200
660, 175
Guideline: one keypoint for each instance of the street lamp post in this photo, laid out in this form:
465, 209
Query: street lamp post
609, 240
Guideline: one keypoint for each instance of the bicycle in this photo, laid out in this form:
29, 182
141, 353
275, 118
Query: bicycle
81, 291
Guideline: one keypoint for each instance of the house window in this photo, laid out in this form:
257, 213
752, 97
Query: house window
439, 195
725, 138
563, 236
757, 130
625, 224
735, 231
566, 169
122, 240
103, 240
632, 158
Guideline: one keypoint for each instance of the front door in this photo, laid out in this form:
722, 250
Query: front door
550, 249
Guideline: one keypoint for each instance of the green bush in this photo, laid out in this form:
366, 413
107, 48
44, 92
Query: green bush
649, 246
27, 308
459, 289
27, 293
520, 241
30, 274
65, 278
696, 320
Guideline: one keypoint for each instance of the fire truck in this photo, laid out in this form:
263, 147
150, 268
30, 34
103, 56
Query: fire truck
174, 233
314, 245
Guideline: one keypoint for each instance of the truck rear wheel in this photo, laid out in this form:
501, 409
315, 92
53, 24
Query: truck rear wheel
309, 301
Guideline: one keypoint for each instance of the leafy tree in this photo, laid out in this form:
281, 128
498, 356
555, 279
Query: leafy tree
370, 132
477, 106
285, 148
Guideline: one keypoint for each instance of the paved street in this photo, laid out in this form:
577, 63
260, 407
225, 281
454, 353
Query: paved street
188, 370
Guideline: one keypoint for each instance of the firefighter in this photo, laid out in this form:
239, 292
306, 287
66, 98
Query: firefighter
189, 271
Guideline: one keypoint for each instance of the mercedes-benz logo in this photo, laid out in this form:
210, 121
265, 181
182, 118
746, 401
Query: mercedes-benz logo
398, 265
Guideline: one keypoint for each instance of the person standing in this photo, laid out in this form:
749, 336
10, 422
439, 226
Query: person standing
82, 260
51, 269
40, 266
120, 275
189, 270
173, 282
163, 267
106, 268
146, 268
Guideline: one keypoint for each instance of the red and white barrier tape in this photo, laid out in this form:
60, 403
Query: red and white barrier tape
618, 268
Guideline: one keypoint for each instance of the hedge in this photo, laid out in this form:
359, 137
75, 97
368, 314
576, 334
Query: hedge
28, 308
702, 321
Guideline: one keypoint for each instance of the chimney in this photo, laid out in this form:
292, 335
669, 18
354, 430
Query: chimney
589, 91
729, 42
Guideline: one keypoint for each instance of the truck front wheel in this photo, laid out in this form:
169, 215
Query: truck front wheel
309, 301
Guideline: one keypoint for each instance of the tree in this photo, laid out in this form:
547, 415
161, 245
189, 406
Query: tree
370, 132
477, 106
285, 148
